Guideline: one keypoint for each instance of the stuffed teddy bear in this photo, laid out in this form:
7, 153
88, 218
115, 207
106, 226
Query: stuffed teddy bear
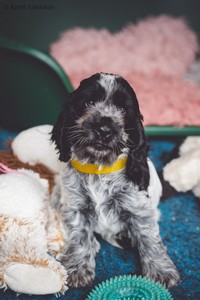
183, 173
31, 235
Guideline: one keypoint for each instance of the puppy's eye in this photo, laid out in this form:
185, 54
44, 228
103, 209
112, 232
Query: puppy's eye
89, 103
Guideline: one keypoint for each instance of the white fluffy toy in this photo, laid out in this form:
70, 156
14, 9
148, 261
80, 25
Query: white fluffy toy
183, 173
31, 235
33, 146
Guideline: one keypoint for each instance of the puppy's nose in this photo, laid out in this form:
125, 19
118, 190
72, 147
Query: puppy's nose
104, 131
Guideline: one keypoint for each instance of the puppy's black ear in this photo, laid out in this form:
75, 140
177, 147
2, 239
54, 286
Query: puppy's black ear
60, 132
137, 168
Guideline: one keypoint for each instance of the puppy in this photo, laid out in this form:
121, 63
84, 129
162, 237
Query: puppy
109, 185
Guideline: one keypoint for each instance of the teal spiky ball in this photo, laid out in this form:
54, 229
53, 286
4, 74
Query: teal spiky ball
129, 287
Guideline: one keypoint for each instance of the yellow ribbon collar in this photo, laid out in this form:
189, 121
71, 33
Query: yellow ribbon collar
96, 169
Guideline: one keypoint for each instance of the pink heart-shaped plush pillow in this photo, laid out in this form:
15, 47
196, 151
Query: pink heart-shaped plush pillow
152, 56
162, 43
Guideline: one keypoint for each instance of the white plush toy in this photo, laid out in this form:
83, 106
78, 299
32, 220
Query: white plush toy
33, 146
31, 235
183, 173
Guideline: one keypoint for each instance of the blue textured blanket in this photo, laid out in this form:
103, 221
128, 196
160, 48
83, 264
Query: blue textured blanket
180, 230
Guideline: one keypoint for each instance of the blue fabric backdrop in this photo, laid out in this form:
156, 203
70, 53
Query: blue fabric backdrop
180, 230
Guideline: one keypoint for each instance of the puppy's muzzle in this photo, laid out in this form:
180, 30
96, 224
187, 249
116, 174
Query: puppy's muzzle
104, 131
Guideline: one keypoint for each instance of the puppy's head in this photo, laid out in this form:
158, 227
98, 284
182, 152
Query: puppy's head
99, 120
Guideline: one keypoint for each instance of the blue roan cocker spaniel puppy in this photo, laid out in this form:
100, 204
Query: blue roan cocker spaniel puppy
109, 185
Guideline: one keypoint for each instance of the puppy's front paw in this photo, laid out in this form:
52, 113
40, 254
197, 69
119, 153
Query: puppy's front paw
168, 278
80, 277
166, 274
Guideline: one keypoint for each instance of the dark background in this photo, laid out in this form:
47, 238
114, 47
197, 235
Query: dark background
38, 27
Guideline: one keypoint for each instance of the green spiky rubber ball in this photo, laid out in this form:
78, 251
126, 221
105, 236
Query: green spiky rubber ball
129, 287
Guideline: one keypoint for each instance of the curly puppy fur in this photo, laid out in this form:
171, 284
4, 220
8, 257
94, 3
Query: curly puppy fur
100, 123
